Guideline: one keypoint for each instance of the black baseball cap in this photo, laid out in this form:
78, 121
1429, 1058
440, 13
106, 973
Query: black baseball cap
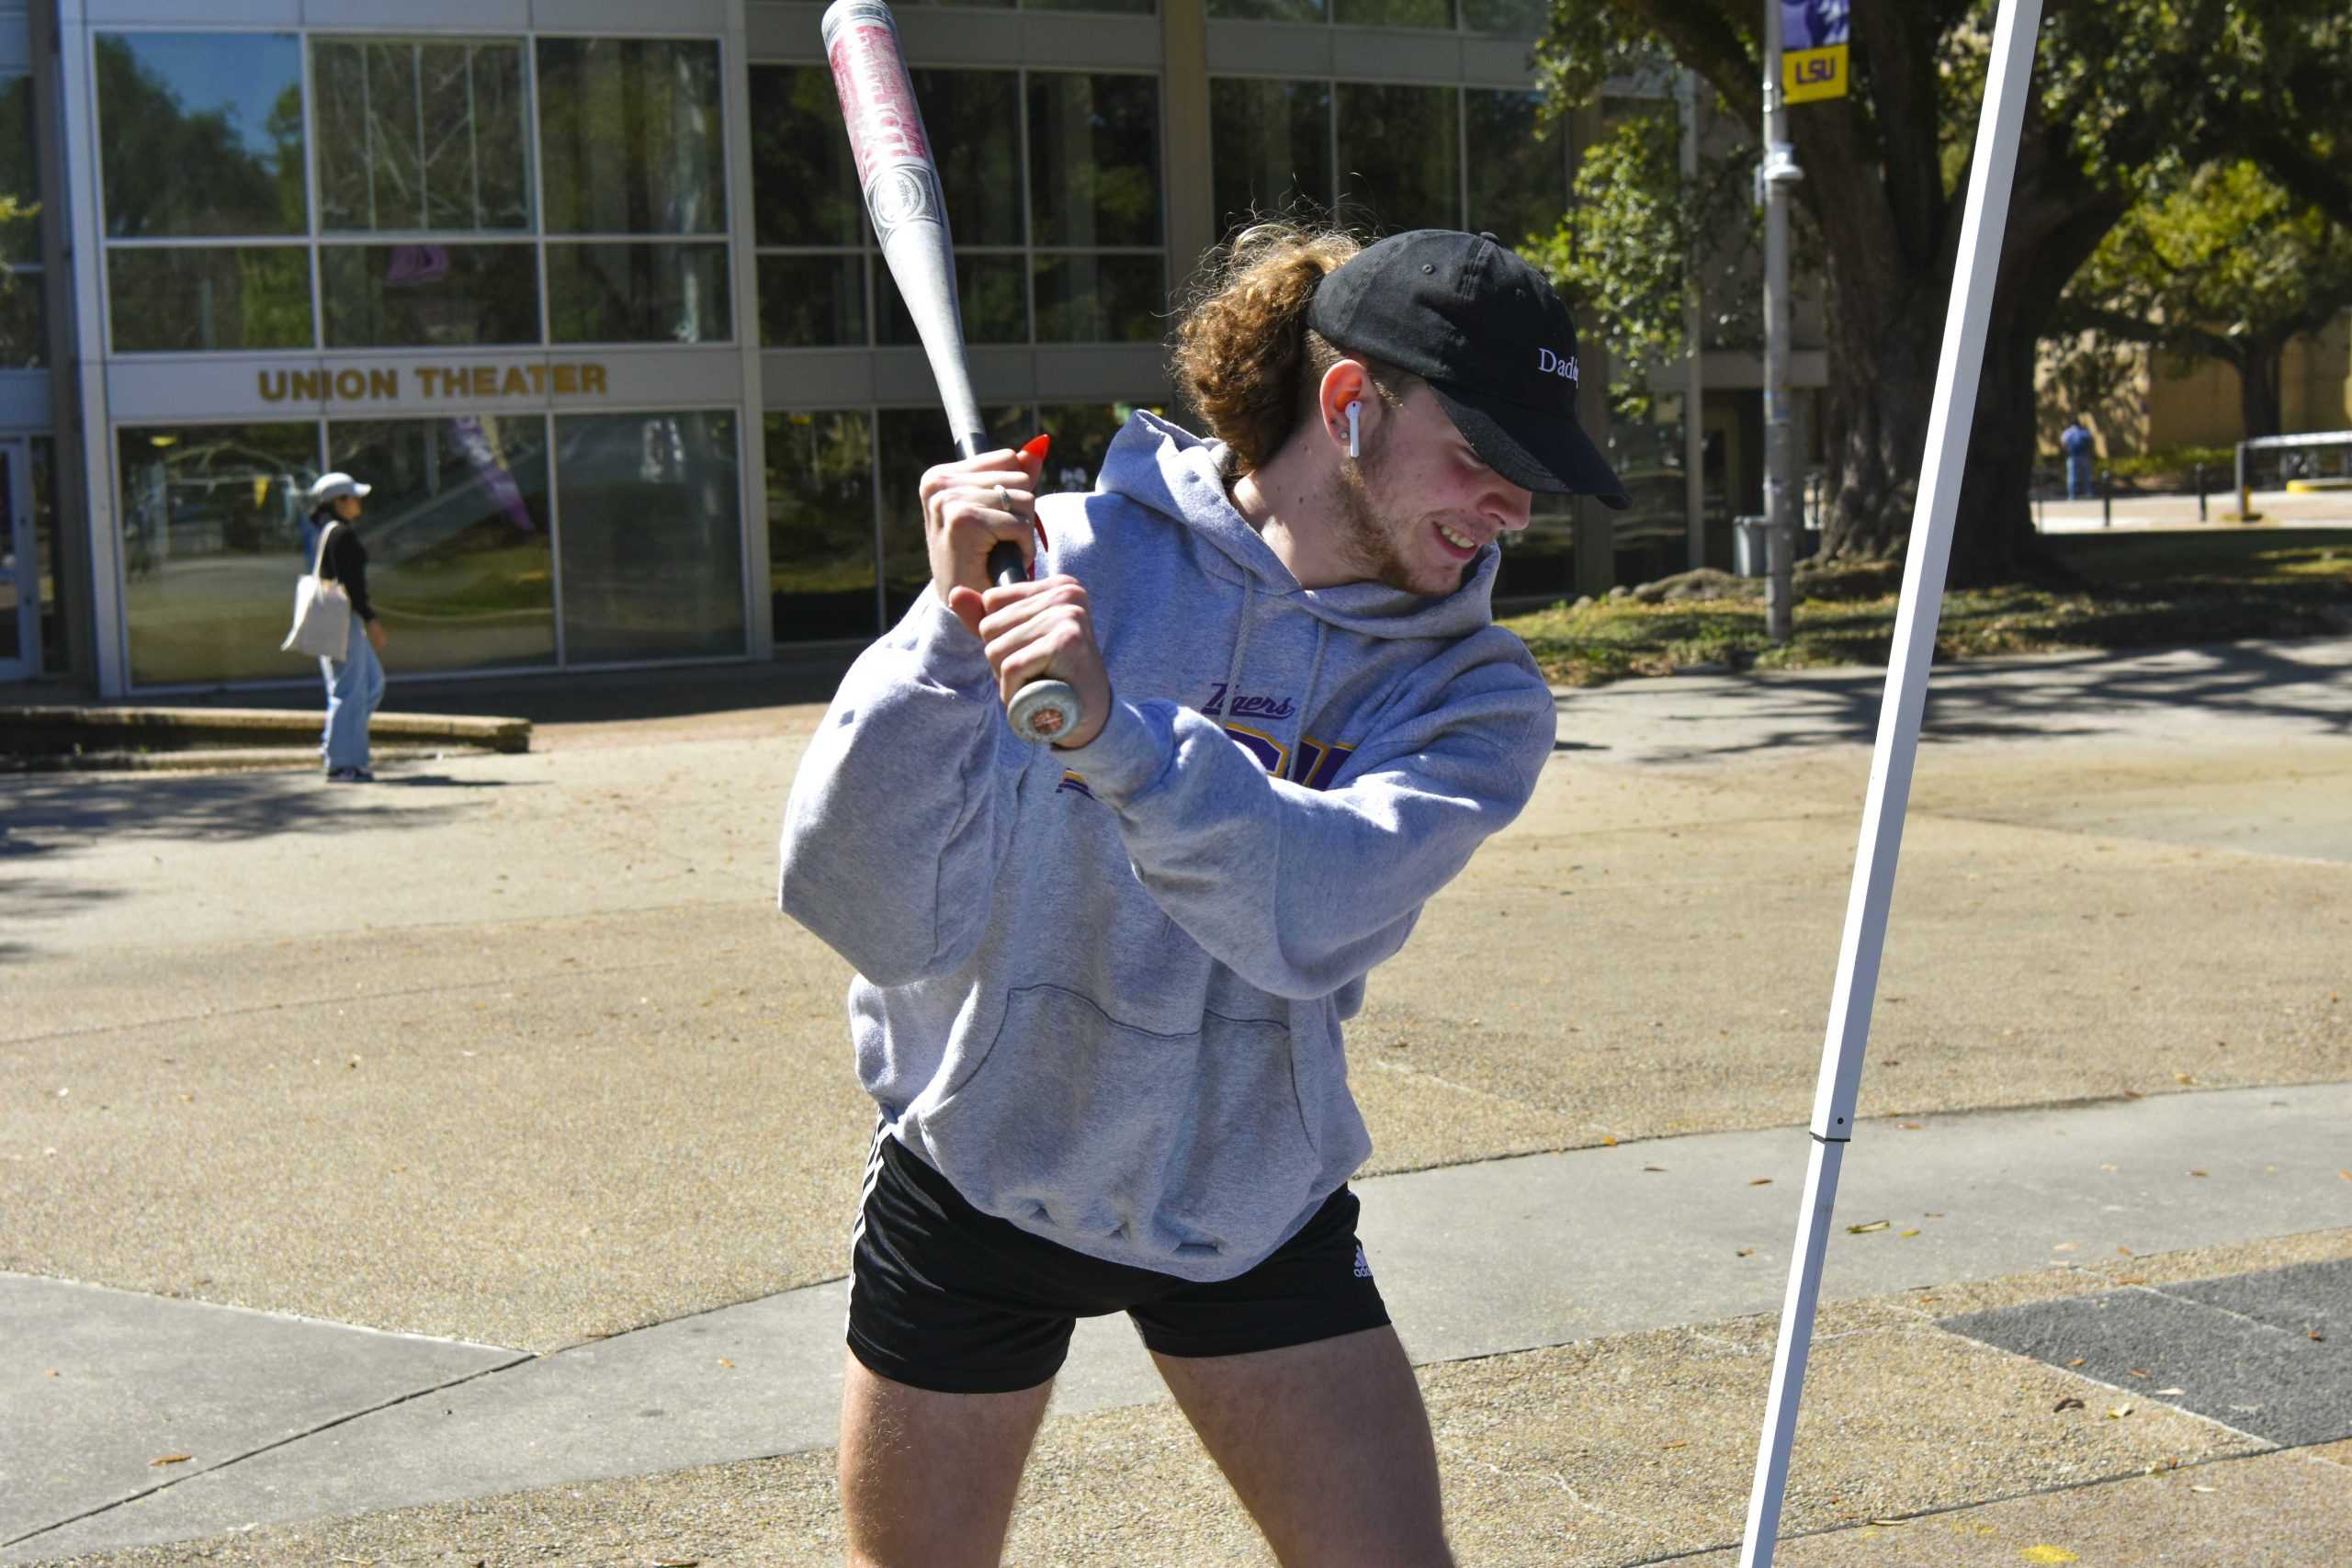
1490, 336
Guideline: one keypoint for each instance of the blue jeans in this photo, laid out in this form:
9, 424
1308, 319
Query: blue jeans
355, 685
2078, 477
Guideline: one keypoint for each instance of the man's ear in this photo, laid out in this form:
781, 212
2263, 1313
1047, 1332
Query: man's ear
1348, 382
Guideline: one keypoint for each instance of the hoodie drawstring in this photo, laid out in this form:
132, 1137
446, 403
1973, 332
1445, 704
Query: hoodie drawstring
1240, 648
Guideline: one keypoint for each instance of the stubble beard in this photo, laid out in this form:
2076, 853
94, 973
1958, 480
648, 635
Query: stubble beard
1376, 553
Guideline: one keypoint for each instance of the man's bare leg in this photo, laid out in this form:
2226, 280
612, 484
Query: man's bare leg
928, 1479
1328, 1446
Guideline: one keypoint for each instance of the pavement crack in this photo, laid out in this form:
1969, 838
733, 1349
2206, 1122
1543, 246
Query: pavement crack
287, 1441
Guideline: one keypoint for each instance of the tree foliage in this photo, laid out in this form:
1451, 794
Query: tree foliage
2121, 89
2224, 263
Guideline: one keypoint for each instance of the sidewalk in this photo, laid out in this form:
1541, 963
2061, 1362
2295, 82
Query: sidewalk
495, 1215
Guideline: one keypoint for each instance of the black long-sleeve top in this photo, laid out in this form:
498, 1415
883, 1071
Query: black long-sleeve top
347, 562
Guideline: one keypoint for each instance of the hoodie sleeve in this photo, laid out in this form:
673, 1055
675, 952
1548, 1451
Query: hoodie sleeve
1301, 891
904, 803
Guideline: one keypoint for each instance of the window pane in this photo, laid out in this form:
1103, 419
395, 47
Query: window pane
1269, 10
1082, 433
630, 136
1519, 174
404, 295
1270, 144
24, 319
804, 183
639, 293
1127, 8
201, 133
416, 135
653, 536
458, 563
1541, 563
1099, 299
55, 637
812, 301
1094, 158
19, 174
1399, 160
910, 440
1394, 13
199, 297
211, 544
1524, 18
989, 295
820, 525
970, 117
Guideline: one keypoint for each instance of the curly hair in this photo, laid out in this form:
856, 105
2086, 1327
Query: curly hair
1246, 362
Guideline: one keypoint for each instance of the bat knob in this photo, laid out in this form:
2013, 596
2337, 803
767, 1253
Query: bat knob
1043, 711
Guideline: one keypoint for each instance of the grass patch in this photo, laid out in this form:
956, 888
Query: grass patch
2137, 591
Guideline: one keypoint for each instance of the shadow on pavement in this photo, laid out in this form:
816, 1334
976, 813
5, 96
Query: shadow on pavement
2074, 696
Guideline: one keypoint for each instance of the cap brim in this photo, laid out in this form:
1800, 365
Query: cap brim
358, 489
1533, 449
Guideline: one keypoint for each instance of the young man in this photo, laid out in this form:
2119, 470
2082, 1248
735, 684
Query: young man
1100, 984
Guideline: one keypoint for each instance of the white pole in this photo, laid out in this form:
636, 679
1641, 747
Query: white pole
1957, 373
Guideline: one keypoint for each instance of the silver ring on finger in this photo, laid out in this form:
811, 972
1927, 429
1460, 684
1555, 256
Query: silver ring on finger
1004, 499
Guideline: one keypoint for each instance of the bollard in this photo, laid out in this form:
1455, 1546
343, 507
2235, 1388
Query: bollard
2200, 493
2106, 500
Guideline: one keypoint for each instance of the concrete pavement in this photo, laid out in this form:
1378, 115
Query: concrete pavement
547, 1112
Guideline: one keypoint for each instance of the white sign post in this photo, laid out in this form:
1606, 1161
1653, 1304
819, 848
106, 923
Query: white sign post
1957, 372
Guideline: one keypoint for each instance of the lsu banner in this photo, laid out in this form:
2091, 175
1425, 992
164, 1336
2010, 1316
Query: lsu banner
1812, 50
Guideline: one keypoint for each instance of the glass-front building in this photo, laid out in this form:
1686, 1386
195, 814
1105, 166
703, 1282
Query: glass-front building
585, 291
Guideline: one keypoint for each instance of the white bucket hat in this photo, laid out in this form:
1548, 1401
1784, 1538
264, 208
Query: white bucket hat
333, 486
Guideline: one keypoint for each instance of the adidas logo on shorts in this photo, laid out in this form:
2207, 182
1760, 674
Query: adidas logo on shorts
1364, 1264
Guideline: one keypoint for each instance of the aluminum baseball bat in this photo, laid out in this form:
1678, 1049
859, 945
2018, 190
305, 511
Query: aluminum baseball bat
900, 181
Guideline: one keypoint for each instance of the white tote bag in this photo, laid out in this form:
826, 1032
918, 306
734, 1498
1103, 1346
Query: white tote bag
321, 611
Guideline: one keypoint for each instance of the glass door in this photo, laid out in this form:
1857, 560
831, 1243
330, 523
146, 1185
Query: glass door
19, 568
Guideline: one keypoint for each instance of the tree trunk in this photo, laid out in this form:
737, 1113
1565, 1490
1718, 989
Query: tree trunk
1993, 538
2258, 367
1881, 390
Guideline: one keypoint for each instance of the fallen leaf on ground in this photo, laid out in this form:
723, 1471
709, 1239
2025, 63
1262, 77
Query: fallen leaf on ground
2197, 1173
1744, 1252
1865, 1230
2050, 1555
1684, 1444
1607, 1142
2138, 1371
2201, 1489
2065, 1246
172, 1459
2164, 1391
1908, 1234
2184, 1077
1913, 1126
2119, 1413
2078, 1361
1657, 1167
2069, 1402
725, 1362
1761, 1181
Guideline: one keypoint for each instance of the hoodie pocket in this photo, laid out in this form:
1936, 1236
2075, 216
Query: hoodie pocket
1189, 1145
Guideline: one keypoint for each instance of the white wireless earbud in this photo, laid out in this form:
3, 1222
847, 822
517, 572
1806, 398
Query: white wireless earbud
1354, 411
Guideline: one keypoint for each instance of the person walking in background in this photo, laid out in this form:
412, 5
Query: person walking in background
356, 682
2079, 445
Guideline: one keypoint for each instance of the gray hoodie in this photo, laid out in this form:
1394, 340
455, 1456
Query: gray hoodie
1101, 990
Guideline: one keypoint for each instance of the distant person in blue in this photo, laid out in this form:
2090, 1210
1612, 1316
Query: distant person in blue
356, 682
2079, 445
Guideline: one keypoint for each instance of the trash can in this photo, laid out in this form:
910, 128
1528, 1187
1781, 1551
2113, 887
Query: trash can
1751, 546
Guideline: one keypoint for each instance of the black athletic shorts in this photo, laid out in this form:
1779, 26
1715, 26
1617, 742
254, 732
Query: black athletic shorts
944, 1297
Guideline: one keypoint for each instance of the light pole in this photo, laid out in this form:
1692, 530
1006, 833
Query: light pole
1773, 177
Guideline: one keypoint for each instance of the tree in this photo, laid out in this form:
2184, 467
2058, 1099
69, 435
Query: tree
2120, 86
2223, 265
